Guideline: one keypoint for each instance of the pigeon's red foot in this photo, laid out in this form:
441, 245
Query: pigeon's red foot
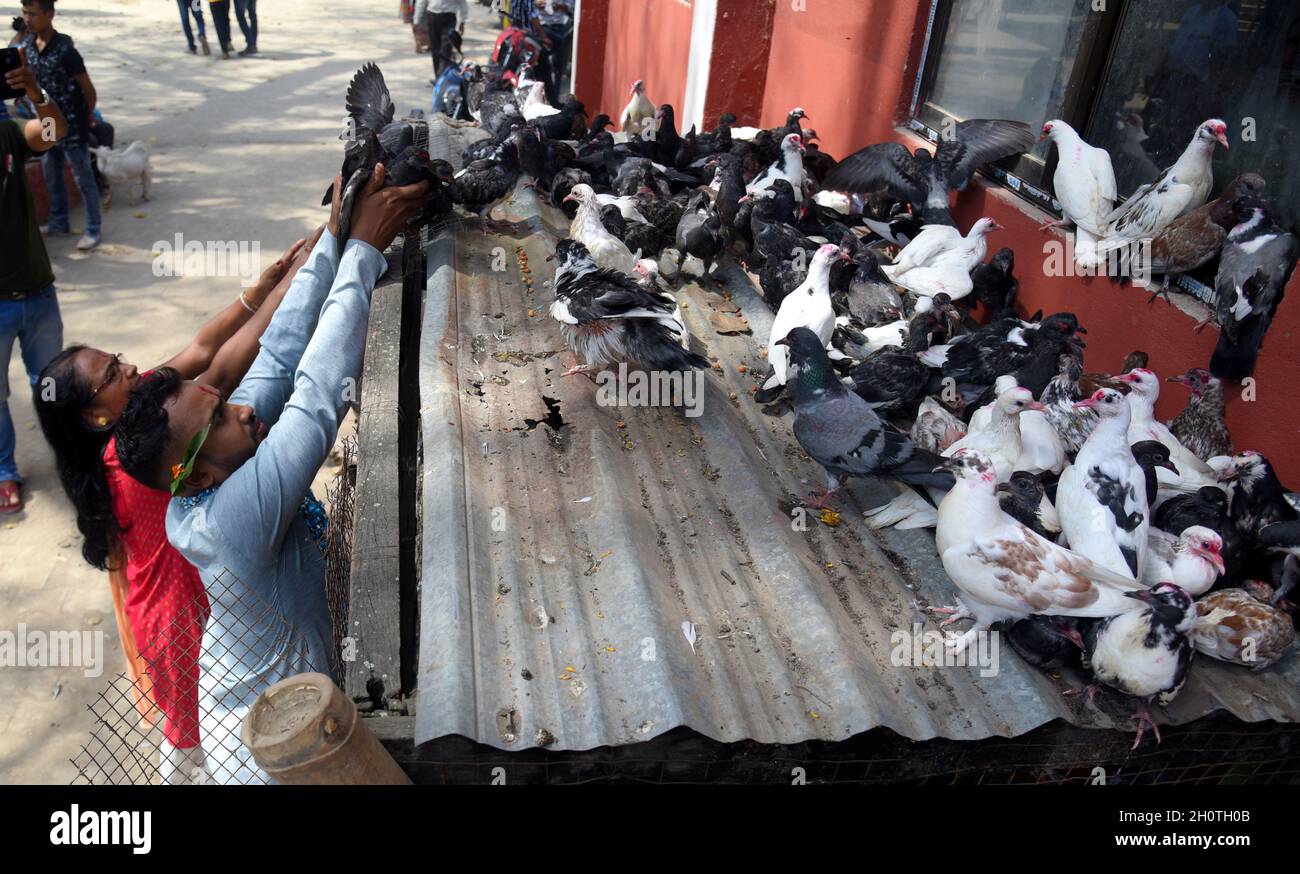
1143, 718
1089, 691
817, 501
1202, 323
1052, 223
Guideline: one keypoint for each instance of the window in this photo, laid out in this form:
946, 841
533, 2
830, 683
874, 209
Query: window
1135, 78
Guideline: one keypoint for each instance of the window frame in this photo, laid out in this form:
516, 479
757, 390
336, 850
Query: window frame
1091, 63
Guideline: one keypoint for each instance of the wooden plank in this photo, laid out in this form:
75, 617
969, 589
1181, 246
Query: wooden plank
372, 646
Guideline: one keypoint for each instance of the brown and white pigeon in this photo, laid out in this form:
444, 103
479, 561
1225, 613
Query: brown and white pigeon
1006, 571
1202, 426
1196, 237
1242, 626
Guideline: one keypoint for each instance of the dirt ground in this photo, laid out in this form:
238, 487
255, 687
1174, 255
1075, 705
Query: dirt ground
241, 151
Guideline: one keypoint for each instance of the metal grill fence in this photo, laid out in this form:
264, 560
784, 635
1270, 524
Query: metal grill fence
200, 692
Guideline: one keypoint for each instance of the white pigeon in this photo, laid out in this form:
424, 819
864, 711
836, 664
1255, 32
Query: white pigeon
999, 437
1181, 188
638, 113
1041, 448
1005, 570
789, 166
607, 250
1192, 561
1084, 183
939, 259
1192, 472
808, 306
1102, 497
535, 106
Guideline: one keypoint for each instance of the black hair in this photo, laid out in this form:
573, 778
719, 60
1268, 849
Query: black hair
78, 453
143, 430
47, 5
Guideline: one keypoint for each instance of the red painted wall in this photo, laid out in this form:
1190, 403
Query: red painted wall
848, 64
650, 40
852, 65
738, 65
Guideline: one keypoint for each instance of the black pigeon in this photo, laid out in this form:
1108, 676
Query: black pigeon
1021, 498
699, 233
484, 182
1150, 454
372, 138
1258, 497
924, 180
841, 431
1048, 643
995, 284
1254, 267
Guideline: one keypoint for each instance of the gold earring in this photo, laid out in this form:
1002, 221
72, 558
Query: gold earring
102, 421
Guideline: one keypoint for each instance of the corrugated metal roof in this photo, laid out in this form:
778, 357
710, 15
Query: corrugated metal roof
565, 543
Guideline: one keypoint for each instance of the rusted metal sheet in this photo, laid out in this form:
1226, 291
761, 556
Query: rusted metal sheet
570, 548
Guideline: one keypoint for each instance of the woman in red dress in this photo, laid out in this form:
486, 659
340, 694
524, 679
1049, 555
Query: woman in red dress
160, 601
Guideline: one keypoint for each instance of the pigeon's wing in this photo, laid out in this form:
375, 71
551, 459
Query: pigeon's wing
979, 141
605, 294
368, 102
1020, 570
1151, 208
1160, 546
885, 165
834, 429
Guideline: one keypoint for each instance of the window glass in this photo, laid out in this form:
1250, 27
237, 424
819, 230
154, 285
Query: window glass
1176, 63
1007, 58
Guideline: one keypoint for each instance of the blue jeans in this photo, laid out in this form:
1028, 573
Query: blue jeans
247, 24
84, 173
36, 324
192, 7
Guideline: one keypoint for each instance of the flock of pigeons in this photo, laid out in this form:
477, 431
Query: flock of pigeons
1064, 510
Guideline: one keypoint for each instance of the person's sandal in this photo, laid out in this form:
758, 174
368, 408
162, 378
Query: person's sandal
11, 497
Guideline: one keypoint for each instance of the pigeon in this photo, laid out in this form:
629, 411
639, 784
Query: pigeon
925, 181
1194, 238
999, 440
1084, 184
841, 431
1004, 570
699, 233
373, 138
1193, 560
808, 306
935, 428
789, 166
1207, 508
1144, 653
1242, 626
1101, 498
1258, 498
607, 250
941, 260
535, 105
607, 318
1255, 265
481, 184
1072, 424
1191, 473
1049, 643
1283, 538
1023, 498
1180, 188
638, 111
994, 284
1202, 427
1151, 454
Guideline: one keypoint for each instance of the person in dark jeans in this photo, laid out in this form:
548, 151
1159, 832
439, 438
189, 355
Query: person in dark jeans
221, 18
29, 306
60, 70
246, 13
442, 17
195, 8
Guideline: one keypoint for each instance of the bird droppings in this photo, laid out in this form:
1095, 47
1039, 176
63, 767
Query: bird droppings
508, 725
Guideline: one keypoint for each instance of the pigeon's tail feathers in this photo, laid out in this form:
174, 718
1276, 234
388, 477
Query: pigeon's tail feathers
1235, 359
651, 343
919, 470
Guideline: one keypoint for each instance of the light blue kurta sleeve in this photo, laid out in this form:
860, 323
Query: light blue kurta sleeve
269, 382
260, 499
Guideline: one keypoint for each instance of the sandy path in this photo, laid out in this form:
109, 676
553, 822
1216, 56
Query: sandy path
241, 151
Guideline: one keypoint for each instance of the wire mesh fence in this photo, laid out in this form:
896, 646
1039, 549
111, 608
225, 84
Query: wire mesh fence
185, 727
